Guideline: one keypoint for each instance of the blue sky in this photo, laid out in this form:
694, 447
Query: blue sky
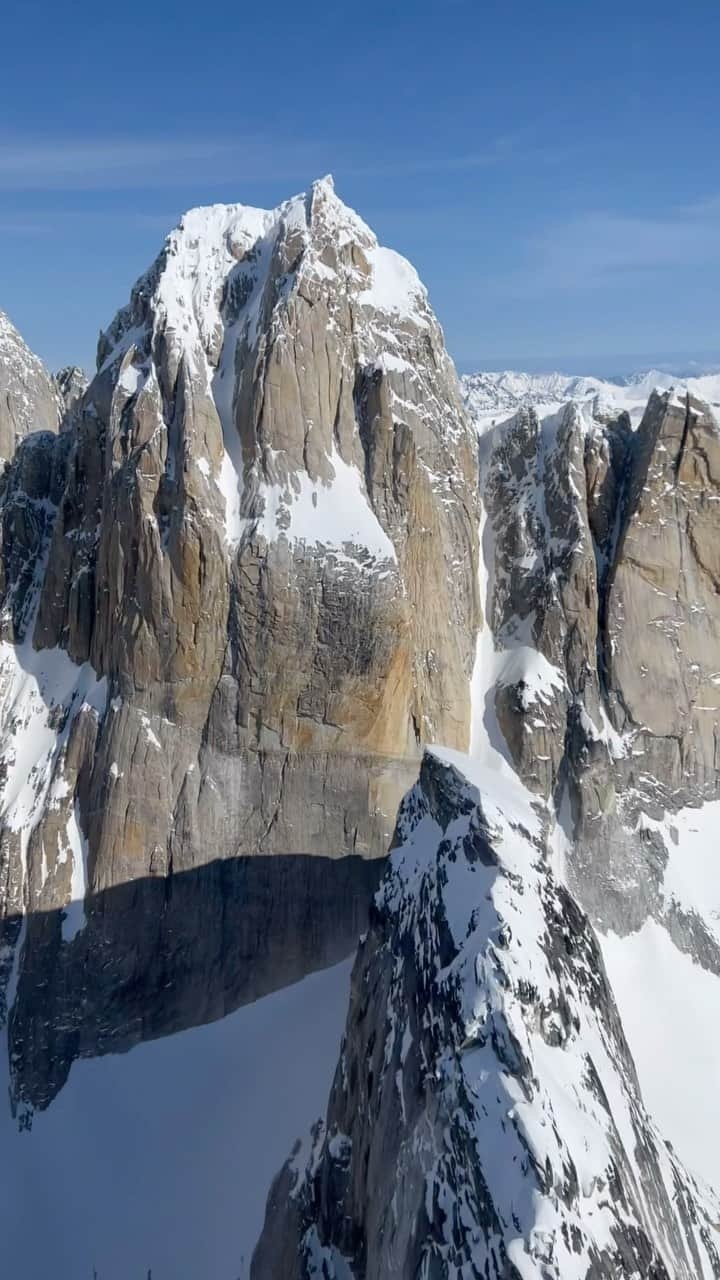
552, 169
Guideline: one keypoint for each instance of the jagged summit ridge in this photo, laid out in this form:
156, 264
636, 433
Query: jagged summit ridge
184, 286
215, 301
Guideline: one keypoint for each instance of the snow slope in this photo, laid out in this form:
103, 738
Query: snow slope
669, 1010
161, 1158
668, 1002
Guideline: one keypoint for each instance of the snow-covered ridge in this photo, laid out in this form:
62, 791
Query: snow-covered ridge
485, 1085
185, 285
491, 397
566, 1116
211, 301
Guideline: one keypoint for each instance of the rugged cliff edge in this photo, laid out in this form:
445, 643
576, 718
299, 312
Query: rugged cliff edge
485, 1119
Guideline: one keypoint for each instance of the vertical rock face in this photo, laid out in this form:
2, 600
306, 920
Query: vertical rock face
485, 1119
606, 626
29, 400
663, 608
543, 593
72, 383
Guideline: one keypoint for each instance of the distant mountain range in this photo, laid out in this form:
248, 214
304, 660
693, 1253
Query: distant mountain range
491, 396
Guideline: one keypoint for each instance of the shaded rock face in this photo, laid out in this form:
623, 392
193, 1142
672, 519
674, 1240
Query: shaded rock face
29, 399
543, 591
662, 624
159, 955
485, 1118
30, 490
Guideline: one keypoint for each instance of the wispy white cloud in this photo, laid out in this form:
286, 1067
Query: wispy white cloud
48, 223
124, 163
599, 249
80, 164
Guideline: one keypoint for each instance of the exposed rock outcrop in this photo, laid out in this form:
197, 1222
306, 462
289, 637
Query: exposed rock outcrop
253, 538
606, 630
72, 383
662, 623
542, 604
270, 487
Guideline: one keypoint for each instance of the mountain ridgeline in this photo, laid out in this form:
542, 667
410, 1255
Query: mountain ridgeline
278, 597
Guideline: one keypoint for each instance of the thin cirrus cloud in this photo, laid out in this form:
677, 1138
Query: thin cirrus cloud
596, 250
124, 163
86, 164
38, 224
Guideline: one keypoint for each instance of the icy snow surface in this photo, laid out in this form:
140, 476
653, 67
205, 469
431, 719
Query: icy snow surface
331, 515
162, 1158
36, 685
395, 286
669, 1004
669, 1010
